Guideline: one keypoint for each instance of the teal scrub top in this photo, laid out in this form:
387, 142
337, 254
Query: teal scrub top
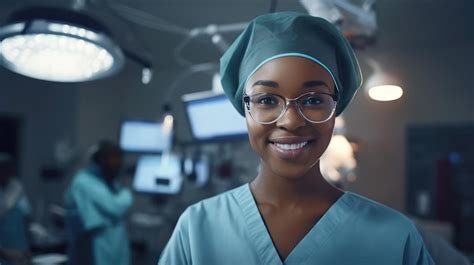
13, 230
228, 229
101, 209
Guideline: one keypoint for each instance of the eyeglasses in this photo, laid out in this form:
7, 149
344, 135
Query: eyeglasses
266, 108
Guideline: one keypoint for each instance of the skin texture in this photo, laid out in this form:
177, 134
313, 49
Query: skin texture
15, 256
290, 192
110, 162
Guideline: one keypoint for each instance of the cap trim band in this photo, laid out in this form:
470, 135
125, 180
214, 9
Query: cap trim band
291, 54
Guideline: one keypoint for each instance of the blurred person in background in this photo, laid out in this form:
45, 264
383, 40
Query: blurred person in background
96, 206
14, 212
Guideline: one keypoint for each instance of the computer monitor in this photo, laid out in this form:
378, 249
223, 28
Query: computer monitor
197, 170
145, 136
202, 171
212, 117
158, 174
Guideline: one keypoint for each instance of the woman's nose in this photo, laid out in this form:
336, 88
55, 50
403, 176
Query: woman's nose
292, 118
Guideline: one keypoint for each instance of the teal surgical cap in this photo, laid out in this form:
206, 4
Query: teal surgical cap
276, 35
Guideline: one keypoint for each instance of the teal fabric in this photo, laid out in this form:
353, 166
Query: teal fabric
290, 34
13, 230
100, 210
228, 229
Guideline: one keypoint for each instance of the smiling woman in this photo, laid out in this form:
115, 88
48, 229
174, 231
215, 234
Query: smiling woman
290, 75
290, 138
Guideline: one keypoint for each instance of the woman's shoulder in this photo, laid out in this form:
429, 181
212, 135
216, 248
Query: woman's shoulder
220, 203
217, 209
377, 214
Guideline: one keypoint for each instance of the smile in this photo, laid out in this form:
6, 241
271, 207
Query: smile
290, 150
291, 147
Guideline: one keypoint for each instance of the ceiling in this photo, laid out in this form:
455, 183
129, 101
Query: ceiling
138, 24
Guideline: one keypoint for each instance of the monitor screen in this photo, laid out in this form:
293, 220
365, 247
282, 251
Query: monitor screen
145, 136
212, 117
202, 171
198, 170
158, 174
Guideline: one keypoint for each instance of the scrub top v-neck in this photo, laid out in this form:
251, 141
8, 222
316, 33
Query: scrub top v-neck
228, 229
337, 214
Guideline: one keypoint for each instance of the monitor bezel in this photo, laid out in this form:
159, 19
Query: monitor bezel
150, 152
208, 96
156, 192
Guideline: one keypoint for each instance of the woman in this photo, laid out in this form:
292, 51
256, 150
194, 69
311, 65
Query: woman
290, 74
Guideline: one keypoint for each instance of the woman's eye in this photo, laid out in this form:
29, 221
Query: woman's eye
313, 101
267, 100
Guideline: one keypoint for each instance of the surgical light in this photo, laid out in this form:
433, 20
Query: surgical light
58, 50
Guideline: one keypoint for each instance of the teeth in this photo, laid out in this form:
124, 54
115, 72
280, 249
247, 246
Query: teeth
290, 147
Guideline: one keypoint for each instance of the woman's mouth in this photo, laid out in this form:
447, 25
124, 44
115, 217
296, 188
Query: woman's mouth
291, 147
288, 151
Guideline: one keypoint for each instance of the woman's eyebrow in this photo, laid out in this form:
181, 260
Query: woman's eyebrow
266, 83
307, 84
314, 83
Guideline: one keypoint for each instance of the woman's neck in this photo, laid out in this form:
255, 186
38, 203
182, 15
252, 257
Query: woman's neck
283, 192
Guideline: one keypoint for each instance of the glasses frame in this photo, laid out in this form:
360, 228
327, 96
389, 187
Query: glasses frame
288, 101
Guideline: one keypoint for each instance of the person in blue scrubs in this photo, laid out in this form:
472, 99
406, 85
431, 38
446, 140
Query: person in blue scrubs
290, 74
14, 213
96, 206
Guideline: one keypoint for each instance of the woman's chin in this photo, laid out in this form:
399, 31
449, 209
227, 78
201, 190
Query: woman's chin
292, 172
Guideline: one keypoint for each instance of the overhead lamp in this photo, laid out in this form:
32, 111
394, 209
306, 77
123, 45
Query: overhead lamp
58, 45
385, 92
323, 8
357, 20
381, 86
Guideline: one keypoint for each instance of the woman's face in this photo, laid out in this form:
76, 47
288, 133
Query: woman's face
291, 146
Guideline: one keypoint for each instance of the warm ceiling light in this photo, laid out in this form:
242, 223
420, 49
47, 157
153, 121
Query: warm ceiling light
382, 86
58, 50
385, 92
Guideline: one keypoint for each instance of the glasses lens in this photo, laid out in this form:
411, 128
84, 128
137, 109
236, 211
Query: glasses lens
266, 107
316, 107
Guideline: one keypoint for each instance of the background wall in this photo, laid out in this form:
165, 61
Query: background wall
436, 91
47, 112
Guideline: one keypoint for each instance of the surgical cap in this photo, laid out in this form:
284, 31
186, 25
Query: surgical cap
280, 34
